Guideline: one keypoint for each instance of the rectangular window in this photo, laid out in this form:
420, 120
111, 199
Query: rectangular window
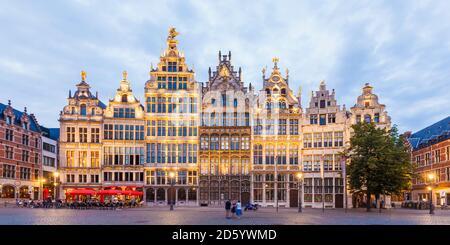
83, 135
25, 173
9, 135
95, 135
313, 119
317, 140
95, 159
25, 139
332, 118
307, 140
293, 126
323, 119
82, 159
9, 171
282, 126
338, 139
25, 156
9, 152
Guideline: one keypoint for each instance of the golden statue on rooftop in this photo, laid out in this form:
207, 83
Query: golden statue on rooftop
125, 75
83, 76
172, 33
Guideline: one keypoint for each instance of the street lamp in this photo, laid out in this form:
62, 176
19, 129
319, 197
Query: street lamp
172, 183
299, 192
55, 176
431, 178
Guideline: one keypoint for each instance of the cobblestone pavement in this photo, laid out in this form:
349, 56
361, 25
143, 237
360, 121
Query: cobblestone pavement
215, 216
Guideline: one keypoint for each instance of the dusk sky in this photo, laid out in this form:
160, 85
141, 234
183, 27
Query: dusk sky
402, 48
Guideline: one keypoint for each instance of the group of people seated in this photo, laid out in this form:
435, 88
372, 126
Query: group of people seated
87, 203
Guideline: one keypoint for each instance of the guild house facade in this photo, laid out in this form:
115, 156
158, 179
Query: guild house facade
193, 143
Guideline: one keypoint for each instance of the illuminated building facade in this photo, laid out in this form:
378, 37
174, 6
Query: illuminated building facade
430, 155
171, 122
225, 133
80, 140
325, 131
20, 154
123, 141
276, 142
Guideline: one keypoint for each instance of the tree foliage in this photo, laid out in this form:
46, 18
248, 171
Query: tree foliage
379, 161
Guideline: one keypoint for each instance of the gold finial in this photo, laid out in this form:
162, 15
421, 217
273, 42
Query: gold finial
275, 61
83, 76
125, 75
172, 33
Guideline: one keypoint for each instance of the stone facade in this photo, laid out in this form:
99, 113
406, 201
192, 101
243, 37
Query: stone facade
225, 134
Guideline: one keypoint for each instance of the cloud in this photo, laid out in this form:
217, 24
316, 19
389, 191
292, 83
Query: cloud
400, 47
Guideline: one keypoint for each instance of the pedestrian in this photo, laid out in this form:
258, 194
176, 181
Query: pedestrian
233, 210
238, 209
227, 209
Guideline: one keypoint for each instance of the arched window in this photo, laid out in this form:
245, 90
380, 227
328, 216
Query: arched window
245, 142
224, 142
281, 155
282, 104
204, 142
214, 144
293, 154
83, 110
270, 154
283, 91
8, 191
124, 98
367, 118
235, 142
275, 91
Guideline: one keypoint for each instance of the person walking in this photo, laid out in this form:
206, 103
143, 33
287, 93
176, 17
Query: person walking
238, 209
227, 209
233, 210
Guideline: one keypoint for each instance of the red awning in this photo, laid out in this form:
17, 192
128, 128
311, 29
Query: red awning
81, 192
109, 192
137, 193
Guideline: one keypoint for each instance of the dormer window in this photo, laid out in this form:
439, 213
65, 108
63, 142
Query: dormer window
322, 104
73, 110
124, 98
93, 111
83, 110
25, 125
367, 104
283, 91
9, 120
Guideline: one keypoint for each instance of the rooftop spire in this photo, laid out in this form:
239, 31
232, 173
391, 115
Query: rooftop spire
9, 102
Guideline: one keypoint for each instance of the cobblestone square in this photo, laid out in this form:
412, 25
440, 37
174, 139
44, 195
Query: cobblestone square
216, 216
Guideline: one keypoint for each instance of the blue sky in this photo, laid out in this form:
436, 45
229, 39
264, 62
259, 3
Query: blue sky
401, 47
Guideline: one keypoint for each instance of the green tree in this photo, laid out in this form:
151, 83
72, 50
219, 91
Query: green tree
379, 161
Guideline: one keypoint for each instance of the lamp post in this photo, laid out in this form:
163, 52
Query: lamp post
299, 192
172, 183
431, 178
55, 176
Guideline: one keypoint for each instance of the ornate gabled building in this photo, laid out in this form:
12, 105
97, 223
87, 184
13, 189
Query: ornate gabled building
172, 118
80, 139
325, 130
276, 142
368, 109
225, 136
20, 154
123, 141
